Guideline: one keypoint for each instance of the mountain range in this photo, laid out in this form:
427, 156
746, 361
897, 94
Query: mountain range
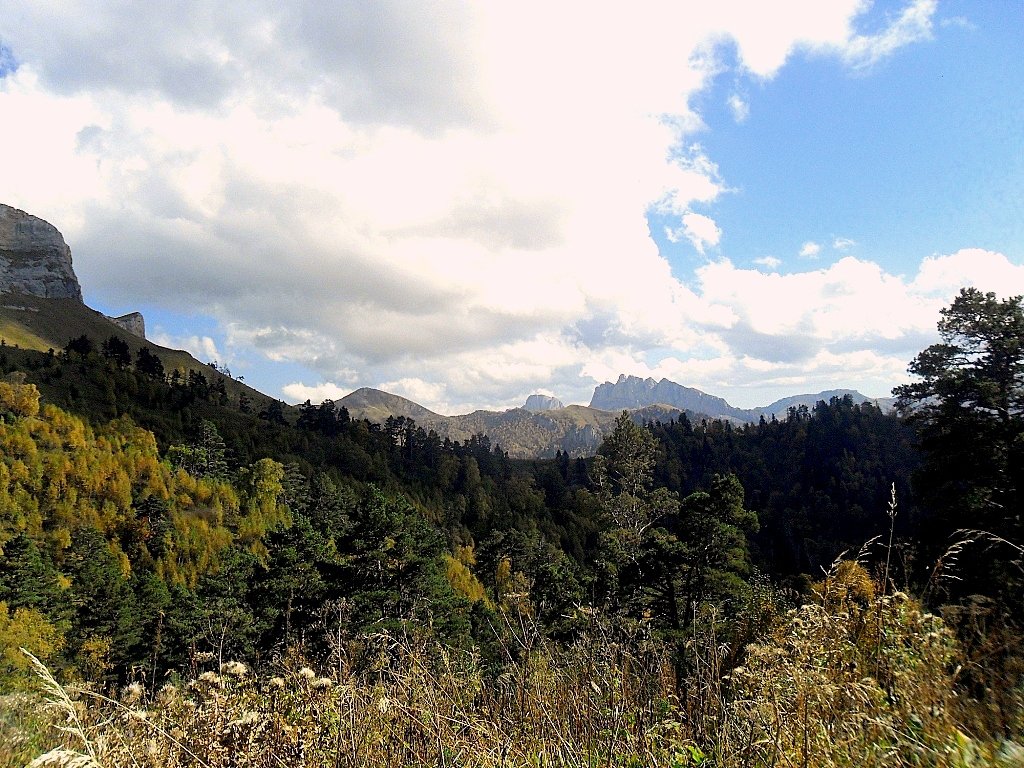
530, 432
41, 307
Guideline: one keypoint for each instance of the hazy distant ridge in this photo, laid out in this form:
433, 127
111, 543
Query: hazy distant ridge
544, 426
632, 392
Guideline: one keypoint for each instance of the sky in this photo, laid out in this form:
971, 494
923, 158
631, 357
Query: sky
466, 203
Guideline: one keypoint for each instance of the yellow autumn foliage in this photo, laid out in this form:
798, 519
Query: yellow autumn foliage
58, 473
29, 629
19, 399
464, 581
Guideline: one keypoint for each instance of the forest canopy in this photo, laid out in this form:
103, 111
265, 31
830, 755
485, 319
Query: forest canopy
151, 527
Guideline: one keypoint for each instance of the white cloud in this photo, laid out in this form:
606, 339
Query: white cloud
701, 230
297, 392
203, 348
810, 250
942, 277
850, 324
770, 262
961, 22
740, 108
843, 244
417, 390
913, 25
388, 193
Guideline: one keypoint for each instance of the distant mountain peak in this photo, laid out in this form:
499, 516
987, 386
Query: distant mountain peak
538, 403
376, 405
630, 393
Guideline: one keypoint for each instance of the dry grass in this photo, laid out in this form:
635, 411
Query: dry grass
853, 679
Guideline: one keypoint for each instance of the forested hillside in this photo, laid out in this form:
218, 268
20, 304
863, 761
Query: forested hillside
840, 582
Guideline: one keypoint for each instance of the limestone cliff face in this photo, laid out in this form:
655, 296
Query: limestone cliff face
133, 322
631, 392
34, 259
538, 403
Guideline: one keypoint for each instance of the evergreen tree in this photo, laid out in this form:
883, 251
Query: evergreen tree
968, 407
105, 624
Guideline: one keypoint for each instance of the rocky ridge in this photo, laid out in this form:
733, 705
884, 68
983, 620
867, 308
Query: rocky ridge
34, 259
539, 403
133, 322
631, 392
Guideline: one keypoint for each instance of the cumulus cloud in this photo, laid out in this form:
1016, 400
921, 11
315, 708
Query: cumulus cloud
739, 107
913, 25
810, 250
202, 348
296, 392
850, 322
439, 199
699, 229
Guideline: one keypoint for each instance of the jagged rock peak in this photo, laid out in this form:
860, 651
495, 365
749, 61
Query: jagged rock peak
631, 393
34, 259
538, 403
133, 322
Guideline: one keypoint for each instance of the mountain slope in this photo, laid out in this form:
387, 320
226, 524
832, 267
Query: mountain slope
780, 408
376, 405
32, 322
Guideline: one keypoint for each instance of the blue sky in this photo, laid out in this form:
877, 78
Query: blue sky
920, 154
466, 203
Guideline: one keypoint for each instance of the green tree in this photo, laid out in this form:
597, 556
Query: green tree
968, 407
149, 364
104, 622
81, 346
27, 580
205, 457
715, 527
623, 475
117, 350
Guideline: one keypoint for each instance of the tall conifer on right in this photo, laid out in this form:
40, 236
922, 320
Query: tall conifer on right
968, 406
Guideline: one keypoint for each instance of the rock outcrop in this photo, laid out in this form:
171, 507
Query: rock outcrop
630, 393
34, 259
538, 403
133, 322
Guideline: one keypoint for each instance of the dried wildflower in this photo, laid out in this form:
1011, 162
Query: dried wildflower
204, 656
322, 682
236, 668
276, 682
153, 750
211, 678
247, 718
133, 693
64, 758
167, 694
383, 704
307, 674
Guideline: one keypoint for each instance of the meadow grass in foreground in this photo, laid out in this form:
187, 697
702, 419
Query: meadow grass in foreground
852, 679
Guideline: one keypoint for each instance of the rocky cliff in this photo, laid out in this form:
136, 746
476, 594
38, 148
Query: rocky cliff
34, 259
133, 322
631, 392
538, 403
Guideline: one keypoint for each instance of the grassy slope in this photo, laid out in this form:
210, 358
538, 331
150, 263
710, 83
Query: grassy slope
40, 324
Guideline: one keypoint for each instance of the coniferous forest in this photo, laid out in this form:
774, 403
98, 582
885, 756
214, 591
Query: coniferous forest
189, 577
